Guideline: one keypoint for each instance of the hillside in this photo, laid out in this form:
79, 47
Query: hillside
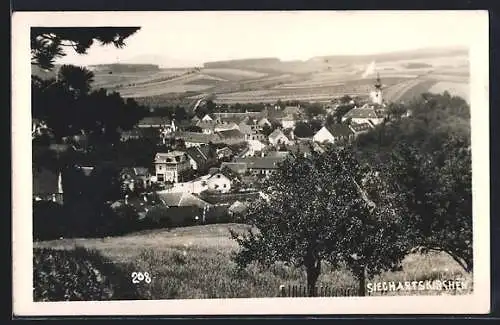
172, 258
404, 75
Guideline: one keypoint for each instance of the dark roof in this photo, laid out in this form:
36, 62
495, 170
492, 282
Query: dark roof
277, 133
231, 134
365, 111
340, 130
360, 127
261, 162
181, 199
198, 137
236, 167
199, 154
154, 120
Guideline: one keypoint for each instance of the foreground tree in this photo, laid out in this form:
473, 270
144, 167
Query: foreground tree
49, 43
437, 189
315, 209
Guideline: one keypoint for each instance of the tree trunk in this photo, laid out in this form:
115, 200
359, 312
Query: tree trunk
361, 282
313, 269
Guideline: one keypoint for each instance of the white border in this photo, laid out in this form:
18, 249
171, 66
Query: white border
23, 305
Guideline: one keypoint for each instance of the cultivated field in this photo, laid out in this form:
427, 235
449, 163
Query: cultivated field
195, 262
404, 75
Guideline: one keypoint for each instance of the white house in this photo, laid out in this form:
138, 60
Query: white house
278, 137
333, 133
288, 122
207, 118
169, 166
263, 122
254, 146
195, 186
219, 182
364, 114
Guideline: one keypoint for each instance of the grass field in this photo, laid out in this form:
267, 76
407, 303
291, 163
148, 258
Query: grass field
313, 80
195, 262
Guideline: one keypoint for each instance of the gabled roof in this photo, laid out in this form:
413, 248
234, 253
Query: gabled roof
365, 111
174, 156
206, 124
276, 134
340, 130
360, 127
181, 199
198, 137
231, 134
199, 154
236, 167
260, 162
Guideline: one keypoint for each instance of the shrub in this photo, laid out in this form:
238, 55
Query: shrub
79, 274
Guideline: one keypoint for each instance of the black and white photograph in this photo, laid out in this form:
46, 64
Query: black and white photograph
278, 161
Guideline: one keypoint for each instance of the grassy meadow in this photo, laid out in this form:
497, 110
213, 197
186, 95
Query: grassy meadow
195, 262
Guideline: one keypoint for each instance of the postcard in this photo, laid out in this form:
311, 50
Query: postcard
250, 162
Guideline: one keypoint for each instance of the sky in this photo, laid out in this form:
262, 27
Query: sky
179, 39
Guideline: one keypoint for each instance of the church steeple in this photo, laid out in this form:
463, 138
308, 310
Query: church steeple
378, 83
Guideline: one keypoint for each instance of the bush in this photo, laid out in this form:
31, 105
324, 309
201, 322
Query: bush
79, 275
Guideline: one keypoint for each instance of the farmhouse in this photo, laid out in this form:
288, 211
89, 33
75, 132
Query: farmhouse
224, 126
207, 127
261, 165
224, 153
207, 118
277, 137
364, 114
358, 129
264, 122
254, 147
170, 166
195, 186
231, 136
237, 167
183, 208
154, 122
288, 122
333, 133
192, 139
200, 157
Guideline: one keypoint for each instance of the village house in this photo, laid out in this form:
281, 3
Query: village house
207, 127
333, 134
255, 147
192, 139
261, 166
358, 129
277, 137
224, 153
170, 166
237, 167
154, 122
200, 157
231, 136
183, 208
195, 186
219, 182
133, 177
288, 122
208, 118
364, 114
264, 122
224, 126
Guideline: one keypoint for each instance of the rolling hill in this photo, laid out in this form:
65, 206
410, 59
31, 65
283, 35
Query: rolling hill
404, 75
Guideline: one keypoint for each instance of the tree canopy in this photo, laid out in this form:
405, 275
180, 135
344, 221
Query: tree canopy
49, 43
325, 207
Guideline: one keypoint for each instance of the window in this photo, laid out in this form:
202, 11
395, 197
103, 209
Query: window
224, 185
160, 167
218, 176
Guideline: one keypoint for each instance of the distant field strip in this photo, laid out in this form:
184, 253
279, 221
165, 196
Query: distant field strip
407, 90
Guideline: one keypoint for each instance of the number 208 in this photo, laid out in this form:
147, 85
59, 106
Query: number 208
138, 277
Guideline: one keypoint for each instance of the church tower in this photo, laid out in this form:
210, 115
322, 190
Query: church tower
376, 95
